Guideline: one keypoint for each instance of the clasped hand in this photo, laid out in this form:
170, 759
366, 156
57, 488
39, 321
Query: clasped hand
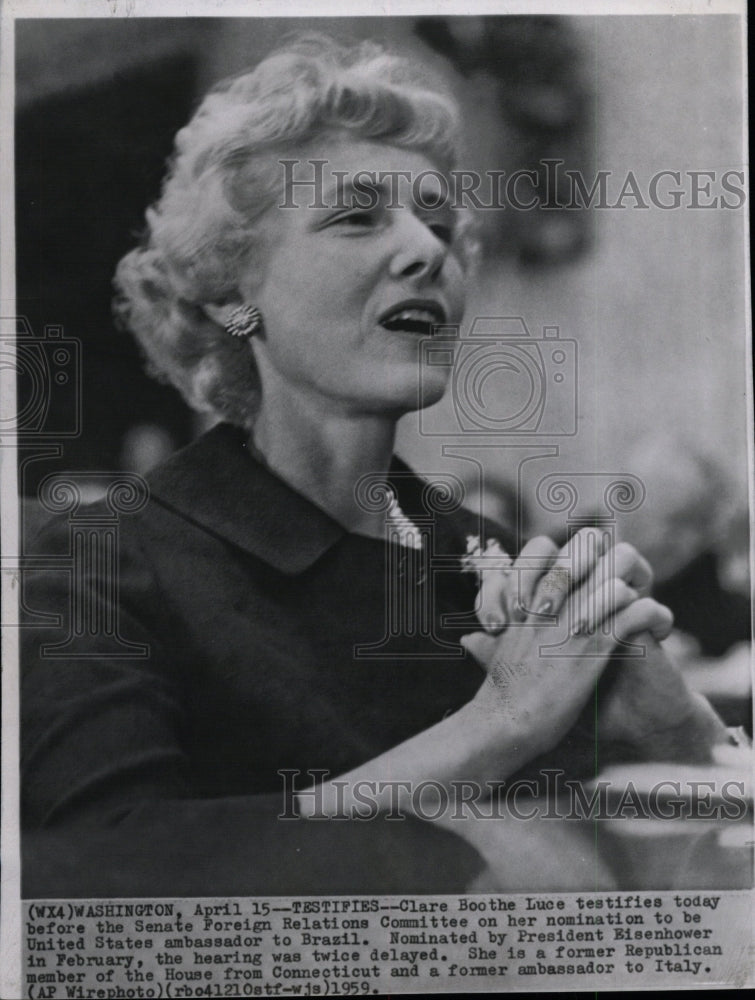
552, 622
532, 694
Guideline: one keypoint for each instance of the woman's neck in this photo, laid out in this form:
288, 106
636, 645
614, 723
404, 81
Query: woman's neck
323, 453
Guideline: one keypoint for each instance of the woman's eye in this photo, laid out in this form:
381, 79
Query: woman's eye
357, 219
444, 232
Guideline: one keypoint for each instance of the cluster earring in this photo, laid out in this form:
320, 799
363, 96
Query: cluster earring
244, 322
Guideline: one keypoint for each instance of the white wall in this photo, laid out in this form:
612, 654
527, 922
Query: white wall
658, 304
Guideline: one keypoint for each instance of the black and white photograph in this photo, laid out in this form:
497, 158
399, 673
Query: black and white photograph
377, 449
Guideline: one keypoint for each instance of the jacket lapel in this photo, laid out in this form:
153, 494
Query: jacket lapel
218, 484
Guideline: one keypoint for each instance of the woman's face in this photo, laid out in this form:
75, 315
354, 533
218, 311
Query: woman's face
354, 277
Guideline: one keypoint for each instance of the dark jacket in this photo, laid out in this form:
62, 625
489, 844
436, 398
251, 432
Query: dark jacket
259, 637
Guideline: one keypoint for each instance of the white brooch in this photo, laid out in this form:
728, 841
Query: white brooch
407, 531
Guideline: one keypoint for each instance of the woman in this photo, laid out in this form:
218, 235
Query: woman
259, 582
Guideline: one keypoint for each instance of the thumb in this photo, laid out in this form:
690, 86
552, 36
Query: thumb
482, 646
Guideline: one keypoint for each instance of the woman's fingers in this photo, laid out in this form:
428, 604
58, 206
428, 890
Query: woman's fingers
543, 577
535, 560
539, 580
591, 609
624, 561
644, 615
572, 564
582, 552
611, 582
492, 610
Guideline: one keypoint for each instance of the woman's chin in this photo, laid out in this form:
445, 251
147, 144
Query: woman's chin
432, 387
406, 395
396, 389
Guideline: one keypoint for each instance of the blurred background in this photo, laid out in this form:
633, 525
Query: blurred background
650, 301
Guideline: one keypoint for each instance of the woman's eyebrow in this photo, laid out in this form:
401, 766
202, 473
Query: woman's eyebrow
367, 189
360, 190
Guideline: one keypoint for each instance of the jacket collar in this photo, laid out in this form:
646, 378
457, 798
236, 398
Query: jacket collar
217, 483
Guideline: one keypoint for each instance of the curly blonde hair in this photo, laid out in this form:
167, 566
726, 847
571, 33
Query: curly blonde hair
224, 175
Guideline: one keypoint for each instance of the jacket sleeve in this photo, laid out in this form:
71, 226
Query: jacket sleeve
108, 806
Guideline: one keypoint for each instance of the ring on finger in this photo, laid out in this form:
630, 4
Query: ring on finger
553, 591
558, 580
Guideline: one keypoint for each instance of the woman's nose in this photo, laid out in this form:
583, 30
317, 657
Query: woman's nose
420, 254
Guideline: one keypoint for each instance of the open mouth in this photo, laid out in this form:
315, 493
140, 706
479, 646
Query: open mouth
419, 318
